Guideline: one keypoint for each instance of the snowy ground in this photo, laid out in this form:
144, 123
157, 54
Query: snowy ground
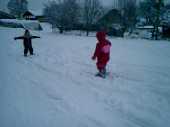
57, 87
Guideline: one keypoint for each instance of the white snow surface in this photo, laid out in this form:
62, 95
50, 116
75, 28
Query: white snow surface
27, 24
57, 86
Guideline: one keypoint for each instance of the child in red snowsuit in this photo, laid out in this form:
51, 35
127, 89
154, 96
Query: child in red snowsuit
102, 53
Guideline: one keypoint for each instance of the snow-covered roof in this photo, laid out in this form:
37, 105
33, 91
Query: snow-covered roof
18, 21
37, 12
26, 24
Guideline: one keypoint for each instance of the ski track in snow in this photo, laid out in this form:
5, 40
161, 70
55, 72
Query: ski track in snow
57, 86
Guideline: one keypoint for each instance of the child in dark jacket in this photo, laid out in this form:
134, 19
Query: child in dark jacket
27, 42
102, 53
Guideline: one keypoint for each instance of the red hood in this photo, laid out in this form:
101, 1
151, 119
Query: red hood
101, 36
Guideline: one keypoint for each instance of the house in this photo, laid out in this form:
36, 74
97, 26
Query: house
111, 17
34, 15
145, 31
38, 14
8, 20
29, 16
112, 22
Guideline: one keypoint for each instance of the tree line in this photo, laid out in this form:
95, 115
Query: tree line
86, 14
67, 14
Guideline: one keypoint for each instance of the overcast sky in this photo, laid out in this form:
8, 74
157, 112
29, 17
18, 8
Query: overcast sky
38, 4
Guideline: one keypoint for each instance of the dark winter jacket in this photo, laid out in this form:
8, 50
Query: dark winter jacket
27, 40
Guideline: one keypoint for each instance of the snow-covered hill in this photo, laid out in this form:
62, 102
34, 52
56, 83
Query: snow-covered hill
57, 86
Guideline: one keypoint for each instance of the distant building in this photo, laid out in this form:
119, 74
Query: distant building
112, 22
38, 14
28, 16
33, 15
112, 16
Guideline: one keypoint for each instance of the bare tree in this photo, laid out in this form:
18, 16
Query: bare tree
62, 13
151, 11
50, 12
70, 12
128, 9
91, 13
17, 7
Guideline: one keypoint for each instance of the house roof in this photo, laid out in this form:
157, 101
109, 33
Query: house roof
33, 13
27, 13
37, 12
112, 16
26, 24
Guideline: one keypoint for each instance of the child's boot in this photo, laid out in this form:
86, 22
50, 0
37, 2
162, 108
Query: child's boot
103, 73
